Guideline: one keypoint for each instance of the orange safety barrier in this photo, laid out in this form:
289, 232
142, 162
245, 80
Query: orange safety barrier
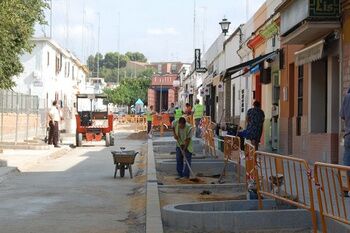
189, 120
331, 180
249, 151
136, 122
232, 152
286, 179
166, 119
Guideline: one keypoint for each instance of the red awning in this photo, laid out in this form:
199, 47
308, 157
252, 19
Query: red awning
256, 41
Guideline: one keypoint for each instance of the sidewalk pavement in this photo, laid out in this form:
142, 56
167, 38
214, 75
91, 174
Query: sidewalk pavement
24, 159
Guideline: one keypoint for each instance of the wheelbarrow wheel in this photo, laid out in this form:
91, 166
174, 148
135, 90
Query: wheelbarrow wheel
122, 170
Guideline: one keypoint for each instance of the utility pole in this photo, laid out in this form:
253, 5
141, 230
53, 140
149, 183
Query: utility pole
247, 10
194, 25
83, 34
118, 70
98, 46
51, 19
67, 24
204, 27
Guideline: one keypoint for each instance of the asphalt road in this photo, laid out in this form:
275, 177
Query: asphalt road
75, 193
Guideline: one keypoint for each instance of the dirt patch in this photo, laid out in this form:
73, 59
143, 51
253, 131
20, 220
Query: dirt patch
171, 180
136, 219
138, 136
177, 197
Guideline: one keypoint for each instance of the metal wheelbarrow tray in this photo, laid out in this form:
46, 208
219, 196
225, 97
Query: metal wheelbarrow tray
123, 160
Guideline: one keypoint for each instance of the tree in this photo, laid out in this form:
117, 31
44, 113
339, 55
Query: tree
129, 91
111, 60
136, 56
17, 21
91, 63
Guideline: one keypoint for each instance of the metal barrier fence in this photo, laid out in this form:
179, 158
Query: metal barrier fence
207, 127
138, 123
232, 153
20, 116
249, 152
331, 180
286, 179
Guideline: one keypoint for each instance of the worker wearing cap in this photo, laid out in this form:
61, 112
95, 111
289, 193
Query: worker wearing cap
198, 113
184, 146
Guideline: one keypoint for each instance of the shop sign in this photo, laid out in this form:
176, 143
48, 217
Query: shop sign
197, 59
324, 8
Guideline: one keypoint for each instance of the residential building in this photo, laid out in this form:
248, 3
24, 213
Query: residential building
52, 73
311, 79
164, 90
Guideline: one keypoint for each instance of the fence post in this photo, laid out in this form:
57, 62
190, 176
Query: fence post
28, 110
17, 110
2, 116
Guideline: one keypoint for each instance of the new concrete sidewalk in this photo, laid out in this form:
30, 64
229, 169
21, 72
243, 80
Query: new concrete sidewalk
24, 159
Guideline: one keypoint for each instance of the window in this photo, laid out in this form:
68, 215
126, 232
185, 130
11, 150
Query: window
159, 68
173, 68
48, 58
300, 98
73, 76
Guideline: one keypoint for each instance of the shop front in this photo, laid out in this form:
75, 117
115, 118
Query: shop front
311, 79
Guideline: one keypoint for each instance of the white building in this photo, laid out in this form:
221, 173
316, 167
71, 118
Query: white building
52, 73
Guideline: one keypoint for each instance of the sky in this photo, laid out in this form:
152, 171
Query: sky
161, 29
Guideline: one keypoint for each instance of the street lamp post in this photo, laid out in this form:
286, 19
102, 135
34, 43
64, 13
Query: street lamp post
225, 25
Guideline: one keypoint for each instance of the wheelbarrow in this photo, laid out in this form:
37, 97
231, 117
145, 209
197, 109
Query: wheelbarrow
123, 159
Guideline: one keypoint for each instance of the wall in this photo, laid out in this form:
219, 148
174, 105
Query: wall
25, 122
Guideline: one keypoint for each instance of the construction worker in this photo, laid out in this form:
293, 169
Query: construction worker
178, 113
184, 146
150, 114
198, 113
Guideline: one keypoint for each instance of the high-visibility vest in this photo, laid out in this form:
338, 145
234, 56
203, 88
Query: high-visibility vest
178, 114
188, 129
198, 111
149, 116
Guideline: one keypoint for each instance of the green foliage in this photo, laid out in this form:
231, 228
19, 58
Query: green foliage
17, 20
136, 56
129, 91
109, 66
110, 60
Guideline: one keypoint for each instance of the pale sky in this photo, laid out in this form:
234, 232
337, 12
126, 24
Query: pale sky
161, 29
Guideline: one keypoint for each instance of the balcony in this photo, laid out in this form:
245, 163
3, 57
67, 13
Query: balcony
304, 21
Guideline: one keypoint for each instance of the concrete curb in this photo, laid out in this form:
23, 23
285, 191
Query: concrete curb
153, 214
5, 172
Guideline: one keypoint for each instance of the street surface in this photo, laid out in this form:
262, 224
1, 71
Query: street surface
75, 193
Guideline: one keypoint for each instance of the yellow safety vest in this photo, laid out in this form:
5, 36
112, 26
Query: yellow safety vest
178, 114
198, 111
188, 129
149, 116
